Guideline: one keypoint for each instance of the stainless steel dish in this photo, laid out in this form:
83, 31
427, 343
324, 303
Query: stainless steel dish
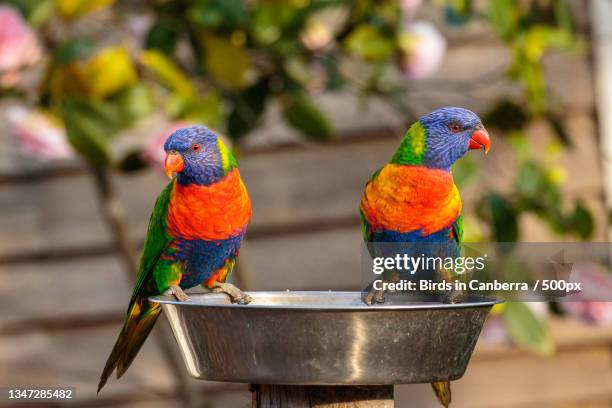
326, 338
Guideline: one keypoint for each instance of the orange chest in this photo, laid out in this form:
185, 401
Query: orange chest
411, 198
213, 212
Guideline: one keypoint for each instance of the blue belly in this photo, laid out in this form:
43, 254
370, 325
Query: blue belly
441, 236
201, 258
438, 245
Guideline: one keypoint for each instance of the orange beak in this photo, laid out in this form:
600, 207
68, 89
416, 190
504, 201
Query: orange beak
480, 140
173, 164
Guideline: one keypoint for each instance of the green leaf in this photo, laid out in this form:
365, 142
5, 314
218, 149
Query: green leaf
35, 11
70, 9
248, 109
226, 62
40, 12
538, 190
556, 123
134, 103
505, 17
233, 11
526, 330
167, 72
205, 16
298, 70
205, 109
132, 162
582, 221
72, 50
303, 115
87, 132
563, 15
529, 46
530, 179
367, 42
539, 37
266, 26
459, 12
107, 72
506, 115
162, 37
503, 218
335, 79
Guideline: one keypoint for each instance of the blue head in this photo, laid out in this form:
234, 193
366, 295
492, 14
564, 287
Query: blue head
197, 155
451, 132
441, 137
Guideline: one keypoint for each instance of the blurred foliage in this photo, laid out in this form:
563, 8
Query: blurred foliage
526, 330
224, 62
529, 29
536, 190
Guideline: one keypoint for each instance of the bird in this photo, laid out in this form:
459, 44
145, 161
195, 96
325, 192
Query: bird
194, 236
413, 198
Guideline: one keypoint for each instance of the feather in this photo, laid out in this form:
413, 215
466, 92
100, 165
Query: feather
443, 392
141, 315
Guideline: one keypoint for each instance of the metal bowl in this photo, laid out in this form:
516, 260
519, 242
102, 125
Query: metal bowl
324, 338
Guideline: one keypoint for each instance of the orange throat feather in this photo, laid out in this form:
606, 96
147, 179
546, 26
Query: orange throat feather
213, 212
408, 198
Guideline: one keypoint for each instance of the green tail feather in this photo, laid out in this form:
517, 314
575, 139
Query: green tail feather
443, 392
137, 326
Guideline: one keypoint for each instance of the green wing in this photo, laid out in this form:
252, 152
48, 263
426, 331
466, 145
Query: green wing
155, 242
141, 315
366, 231
458, 229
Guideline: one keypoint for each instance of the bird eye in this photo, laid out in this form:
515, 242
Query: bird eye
454, 127
196, 147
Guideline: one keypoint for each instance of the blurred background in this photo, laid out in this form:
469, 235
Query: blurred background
314, 96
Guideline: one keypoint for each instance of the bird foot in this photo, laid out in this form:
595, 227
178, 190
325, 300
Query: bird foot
453, 296
374, 296
235, 294
178, 293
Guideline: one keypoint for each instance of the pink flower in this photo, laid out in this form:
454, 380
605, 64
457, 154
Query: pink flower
409, 7
589, 304
599, 313
39, 134
18, 45
423, 48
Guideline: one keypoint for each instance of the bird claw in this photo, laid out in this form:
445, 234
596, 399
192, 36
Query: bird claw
374, 296
235, 294
452, 296
178, 293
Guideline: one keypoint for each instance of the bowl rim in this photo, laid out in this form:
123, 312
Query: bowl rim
474, 301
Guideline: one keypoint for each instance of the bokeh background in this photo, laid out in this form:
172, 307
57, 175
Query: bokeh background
314, 96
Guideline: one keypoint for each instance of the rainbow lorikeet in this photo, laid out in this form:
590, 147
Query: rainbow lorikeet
413, 198
193, 238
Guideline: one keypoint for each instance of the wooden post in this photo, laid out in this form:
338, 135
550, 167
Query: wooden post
318, 396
